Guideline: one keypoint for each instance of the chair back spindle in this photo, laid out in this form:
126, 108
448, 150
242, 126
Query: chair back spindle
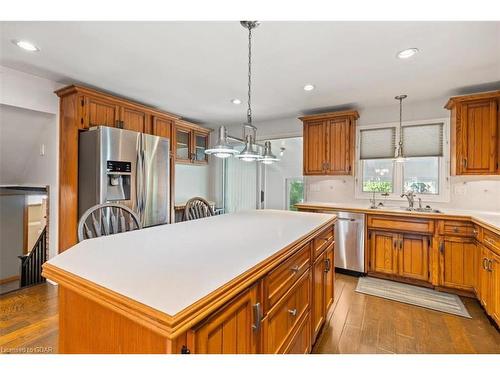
105, 219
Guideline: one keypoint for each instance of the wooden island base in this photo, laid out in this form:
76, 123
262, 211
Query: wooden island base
278, 306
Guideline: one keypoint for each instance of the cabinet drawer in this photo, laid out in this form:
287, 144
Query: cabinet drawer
401, 223
457, 228
301, 339
285, 316
322, 240
491, 240
282, 278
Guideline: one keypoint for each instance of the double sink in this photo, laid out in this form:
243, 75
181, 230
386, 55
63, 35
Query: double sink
427, 209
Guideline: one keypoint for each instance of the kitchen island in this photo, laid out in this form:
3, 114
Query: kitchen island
251, 282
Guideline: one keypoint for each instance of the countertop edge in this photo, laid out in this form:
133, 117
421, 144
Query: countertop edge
171, 326
327, 206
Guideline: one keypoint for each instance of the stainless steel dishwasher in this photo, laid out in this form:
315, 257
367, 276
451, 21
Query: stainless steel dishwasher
349, 241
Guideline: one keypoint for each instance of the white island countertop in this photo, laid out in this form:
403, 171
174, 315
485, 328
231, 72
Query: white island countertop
170, 267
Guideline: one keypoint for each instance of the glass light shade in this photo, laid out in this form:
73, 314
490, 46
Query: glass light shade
222, 148
249, 153
268, 157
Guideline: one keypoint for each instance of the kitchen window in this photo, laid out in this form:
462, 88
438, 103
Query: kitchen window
424, 170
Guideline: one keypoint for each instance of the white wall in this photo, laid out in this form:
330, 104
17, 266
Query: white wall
27, 96
466, 192
11, 234
191, 181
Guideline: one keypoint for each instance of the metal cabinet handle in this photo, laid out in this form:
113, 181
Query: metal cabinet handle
327, 265
257, 314
400, 244
293, 312
465, 163
485, 260
294, 269
490, 265
441, 247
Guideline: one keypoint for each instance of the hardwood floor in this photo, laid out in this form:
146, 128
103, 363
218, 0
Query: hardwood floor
358, 323
29, 320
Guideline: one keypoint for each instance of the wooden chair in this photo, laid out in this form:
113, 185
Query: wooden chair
105, 219
197, 208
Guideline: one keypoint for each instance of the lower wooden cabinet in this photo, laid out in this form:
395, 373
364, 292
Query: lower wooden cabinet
458, 259
283, 318
399, 254
489, 282
231, 330
301, 340
283, 312
322, 289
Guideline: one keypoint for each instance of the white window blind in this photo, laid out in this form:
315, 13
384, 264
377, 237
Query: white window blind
423, 140
377, 143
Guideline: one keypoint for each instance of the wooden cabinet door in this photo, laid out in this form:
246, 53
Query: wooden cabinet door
494, 270
383, 252
329, 277
284, 318
133, 119
318, 295
183, 140
479, 137
100, 112
314, 148
413, 259
200, 144
162, 128
458, 257
338, 136
230, 330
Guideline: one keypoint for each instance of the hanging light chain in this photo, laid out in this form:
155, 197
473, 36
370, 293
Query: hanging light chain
249, 110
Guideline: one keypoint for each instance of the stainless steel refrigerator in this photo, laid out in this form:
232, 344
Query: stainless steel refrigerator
127, 167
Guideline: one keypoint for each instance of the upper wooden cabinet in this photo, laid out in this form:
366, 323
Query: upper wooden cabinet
475, 134
329, 143
190, 141
82, 108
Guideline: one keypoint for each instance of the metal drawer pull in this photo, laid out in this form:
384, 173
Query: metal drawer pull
293, 312
257, 313
327, 265
485, 267
490, 264
294, 269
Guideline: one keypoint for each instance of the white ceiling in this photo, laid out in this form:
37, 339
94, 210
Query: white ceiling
194, 68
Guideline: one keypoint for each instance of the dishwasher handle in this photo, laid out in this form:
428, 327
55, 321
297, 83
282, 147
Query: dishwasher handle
345, 219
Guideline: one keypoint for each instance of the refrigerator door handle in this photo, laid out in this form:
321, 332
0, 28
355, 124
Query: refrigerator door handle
139, 182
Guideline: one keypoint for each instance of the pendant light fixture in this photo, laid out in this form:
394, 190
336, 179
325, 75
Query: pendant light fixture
222, 148
268, 157
399, 154
249, 153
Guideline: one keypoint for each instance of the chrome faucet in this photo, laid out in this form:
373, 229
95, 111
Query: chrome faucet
410, 196
373, 202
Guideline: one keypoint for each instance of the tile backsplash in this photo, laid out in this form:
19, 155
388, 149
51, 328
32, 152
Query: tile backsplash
466, 192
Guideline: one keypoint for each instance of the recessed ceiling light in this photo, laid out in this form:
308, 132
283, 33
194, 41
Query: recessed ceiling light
309, 87
236, 101
407, 53
27, 46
